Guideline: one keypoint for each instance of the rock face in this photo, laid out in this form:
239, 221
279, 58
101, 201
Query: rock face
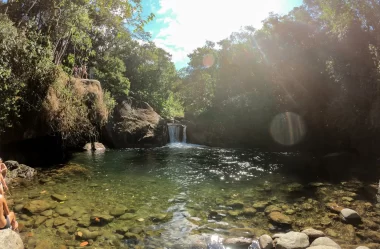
135, 124
293, 240
16, 170
10, 240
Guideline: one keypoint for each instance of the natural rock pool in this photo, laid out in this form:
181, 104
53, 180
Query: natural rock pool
176, 196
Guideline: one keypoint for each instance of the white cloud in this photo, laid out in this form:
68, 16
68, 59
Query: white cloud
191, 22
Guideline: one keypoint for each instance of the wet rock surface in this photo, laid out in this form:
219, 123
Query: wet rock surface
10, 240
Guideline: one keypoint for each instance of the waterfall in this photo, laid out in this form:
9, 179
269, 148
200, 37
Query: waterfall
184, 134
177, 133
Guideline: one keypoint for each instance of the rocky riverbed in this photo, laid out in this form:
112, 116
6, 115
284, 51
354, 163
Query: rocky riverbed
75, 205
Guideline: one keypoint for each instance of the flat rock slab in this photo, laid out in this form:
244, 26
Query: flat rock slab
293, 240
38, 206
10, 239
324, 241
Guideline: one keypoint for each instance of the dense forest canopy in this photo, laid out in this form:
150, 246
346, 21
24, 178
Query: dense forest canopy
41, 42
320, 62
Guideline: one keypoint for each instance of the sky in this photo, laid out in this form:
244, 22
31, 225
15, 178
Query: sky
180, 26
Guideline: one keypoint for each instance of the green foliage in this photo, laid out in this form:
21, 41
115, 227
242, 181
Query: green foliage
154, 78
25, 70
320, 61
110, 71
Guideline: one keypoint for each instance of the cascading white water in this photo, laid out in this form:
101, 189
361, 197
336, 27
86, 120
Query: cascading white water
184, 135
175, 133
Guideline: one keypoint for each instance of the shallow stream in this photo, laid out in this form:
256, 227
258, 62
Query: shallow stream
178, 195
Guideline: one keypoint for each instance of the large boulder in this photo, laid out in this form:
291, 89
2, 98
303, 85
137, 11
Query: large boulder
16, 170
135, 124
10, 240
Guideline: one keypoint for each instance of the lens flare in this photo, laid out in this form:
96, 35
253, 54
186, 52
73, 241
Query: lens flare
208, 60
288, 128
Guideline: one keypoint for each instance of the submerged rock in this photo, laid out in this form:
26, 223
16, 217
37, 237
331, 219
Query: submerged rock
293, 187
118, 211
249, 211
58, 197
101, 219
272, 208
280, 218
242, 232
64, 211
44, 244
127, 216
60, 221
293, 240
10, 239
86, 234
260, 205
159, 217
38, 206
332, 206
235, 204
237, 242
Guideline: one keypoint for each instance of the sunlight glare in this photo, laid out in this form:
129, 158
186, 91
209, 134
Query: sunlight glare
288, 128
208, 60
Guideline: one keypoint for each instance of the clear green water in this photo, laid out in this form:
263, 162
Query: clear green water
186, 183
